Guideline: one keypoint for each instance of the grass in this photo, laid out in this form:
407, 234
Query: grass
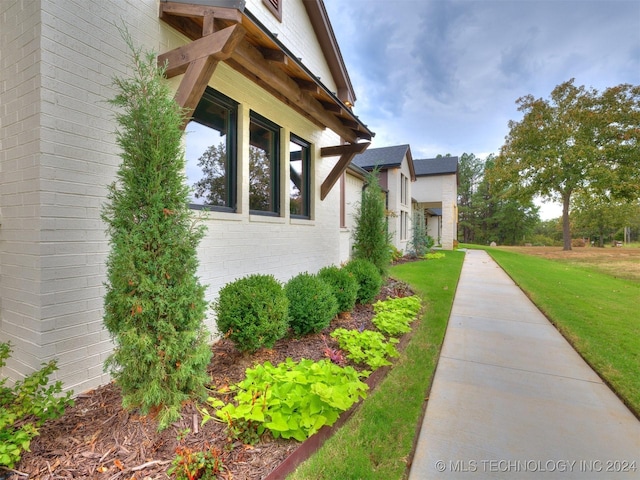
595, 311
377, 441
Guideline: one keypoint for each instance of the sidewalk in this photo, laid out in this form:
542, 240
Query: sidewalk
512, 399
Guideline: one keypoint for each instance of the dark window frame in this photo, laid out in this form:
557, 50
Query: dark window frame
306, 176
213, 96
274, 128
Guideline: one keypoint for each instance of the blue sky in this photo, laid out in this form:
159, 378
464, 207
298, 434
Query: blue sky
444, 75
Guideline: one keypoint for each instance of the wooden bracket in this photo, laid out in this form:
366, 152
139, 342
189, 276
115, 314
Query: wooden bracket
346, 152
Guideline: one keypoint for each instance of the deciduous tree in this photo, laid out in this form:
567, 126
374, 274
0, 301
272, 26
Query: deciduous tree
578, 140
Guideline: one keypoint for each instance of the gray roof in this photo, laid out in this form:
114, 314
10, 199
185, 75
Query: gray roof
383, 158
436, 166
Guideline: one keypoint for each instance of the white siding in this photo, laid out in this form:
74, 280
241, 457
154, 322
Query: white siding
58, 154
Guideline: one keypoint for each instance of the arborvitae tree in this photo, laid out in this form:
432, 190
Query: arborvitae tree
371, 238
154, 304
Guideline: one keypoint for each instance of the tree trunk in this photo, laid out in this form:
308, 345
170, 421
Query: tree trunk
566, 227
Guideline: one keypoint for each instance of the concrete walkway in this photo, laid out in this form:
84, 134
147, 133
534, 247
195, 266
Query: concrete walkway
512, 399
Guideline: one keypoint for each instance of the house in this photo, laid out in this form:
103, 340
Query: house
272, 117
395, 173
435, 192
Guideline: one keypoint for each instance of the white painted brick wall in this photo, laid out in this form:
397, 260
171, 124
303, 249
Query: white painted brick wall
57, 155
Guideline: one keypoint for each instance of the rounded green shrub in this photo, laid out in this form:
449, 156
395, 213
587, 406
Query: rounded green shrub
368, 278
344, 286
253, 312
312, 304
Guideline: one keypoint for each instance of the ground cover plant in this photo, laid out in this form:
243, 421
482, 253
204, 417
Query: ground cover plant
393, 316
377, 441
25, 406
290, 400
595, 311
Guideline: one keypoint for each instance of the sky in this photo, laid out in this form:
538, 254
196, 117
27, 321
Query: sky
444, 75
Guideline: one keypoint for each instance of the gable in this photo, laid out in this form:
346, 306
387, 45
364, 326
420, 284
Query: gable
385, 158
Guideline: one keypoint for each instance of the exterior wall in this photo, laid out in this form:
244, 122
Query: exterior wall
399, 209
58, 154
439, 191
296, 32
353, 196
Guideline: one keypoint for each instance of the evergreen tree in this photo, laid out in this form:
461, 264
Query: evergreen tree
371, 238
154, 303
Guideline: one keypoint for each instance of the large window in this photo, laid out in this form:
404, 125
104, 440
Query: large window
300, 178
211, 152
264, 154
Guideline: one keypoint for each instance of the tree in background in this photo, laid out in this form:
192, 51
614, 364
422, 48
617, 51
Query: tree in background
470, 172
600, 217
154, 304
371, 238
578, 140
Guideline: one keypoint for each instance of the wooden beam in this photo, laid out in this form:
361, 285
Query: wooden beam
346, 152
219, 45
194, 82
308, 86
342, 149
349, 123
276, 56
191, 10
249, 61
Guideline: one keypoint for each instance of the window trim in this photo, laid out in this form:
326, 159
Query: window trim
276, 202
306, 174
214, 96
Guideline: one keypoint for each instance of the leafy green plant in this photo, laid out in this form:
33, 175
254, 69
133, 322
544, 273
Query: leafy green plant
343, 284
366, 347
394, 316
312, 304
253, 312
154, 304
434, 255
292, 399
371, 238
368, 278
192, 465
25, 407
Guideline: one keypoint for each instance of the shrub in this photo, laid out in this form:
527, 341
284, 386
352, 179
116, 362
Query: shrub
371, 238
343, 284
368, 278
253, 312
154, 304
312, 304
25, 407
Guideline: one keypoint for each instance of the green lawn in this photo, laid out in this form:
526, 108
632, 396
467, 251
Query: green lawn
377, 441
597, 313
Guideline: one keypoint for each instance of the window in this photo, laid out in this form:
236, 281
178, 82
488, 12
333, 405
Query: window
300, 177
275, 7
404, 189
264, 171
211, 152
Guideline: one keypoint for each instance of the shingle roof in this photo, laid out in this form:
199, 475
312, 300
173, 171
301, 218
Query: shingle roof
436, 166
384, 157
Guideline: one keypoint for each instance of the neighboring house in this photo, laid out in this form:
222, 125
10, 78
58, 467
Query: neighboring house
396, 173
436, 193
271, 102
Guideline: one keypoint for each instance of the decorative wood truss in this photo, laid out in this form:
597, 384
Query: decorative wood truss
238, 39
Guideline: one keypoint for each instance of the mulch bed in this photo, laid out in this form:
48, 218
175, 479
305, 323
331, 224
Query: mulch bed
97, 439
